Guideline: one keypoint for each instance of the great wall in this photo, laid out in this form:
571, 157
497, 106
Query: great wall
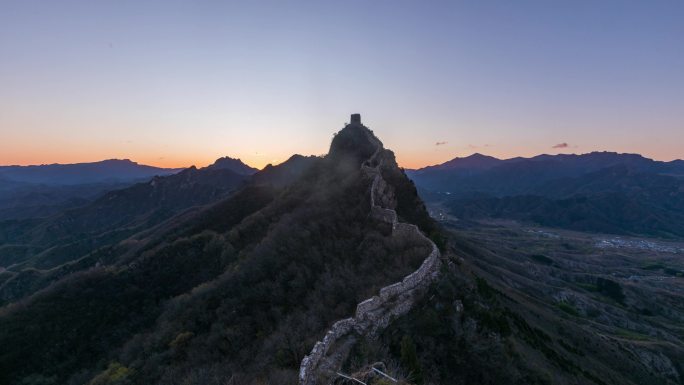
374, 314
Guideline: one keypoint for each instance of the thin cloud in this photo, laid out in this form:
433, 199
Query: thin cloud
476, 146
561, 145
440, 143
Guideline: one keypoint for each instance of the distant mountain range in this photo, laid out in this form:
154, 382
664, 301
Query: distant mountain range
43, 190
106, 171
72, 233
599, 191
502, 177
114, 214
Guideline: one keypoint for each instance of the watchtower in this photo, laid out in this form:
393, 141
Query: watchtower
355, 118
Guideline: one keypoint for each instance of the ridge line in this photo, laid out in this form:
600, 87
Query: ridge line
375, 313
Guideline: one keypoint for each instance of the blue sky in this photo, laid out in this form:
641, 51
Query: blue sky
178, 82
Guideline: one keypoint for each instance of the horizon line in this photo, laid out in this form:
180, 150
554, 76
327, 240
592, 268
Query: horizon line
273, 163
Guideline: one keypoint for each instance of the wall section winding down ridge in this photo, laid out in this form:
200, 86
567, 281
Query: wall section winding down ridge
374, 314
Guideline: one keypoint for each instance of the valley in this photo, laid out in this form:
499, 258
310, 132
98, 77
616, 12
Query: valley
626, 292
529, 305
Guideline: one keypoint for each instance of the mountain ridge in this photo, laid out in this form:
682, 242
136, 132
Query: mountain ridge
234, 164
374, 314
144, 204
595, 192
459, 161
307, 253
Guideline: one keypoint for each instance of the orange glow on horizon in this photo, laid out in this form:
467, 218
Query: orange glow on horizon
411, 160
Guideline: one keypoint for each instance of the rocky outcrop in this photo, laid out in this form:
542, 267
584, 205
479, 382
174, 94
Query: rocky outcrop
374, 314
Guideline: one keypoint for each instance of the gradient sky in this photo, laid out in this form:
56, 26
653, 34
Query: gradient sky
174, 83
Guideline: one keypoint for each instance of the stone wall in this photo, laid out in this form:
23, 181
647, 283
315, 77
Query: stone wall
374, 314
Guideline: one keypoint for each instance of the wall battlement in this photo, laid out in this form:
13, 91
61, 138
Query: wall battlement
374, 314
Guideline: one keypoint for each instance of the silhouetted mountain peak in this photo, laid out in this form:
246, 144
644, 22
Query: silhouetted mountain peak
676, 167
233, 164
475, 161
294, 159
477, 155
478, 158
286, 172
354, 141
116, 161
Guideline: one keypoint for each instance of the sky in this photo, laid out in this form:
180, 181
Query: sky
176, 83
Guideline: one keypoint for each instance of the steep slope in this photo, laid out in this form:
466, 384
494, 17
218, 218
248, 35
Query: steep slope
374, 314
264, 272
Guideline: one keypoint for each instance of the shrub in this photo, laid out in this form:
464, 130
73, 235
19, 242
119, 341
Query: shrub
114, 374
485, 290
611, 289
181, 340
568, 308
409, 359
542, 259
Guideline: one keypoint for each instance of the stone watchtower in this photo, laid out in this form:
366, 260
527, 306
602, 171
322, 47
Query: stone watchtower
355, 119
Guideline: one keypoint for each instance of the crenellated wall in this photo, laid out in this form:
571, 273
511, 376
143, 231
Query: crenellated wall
374, 314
